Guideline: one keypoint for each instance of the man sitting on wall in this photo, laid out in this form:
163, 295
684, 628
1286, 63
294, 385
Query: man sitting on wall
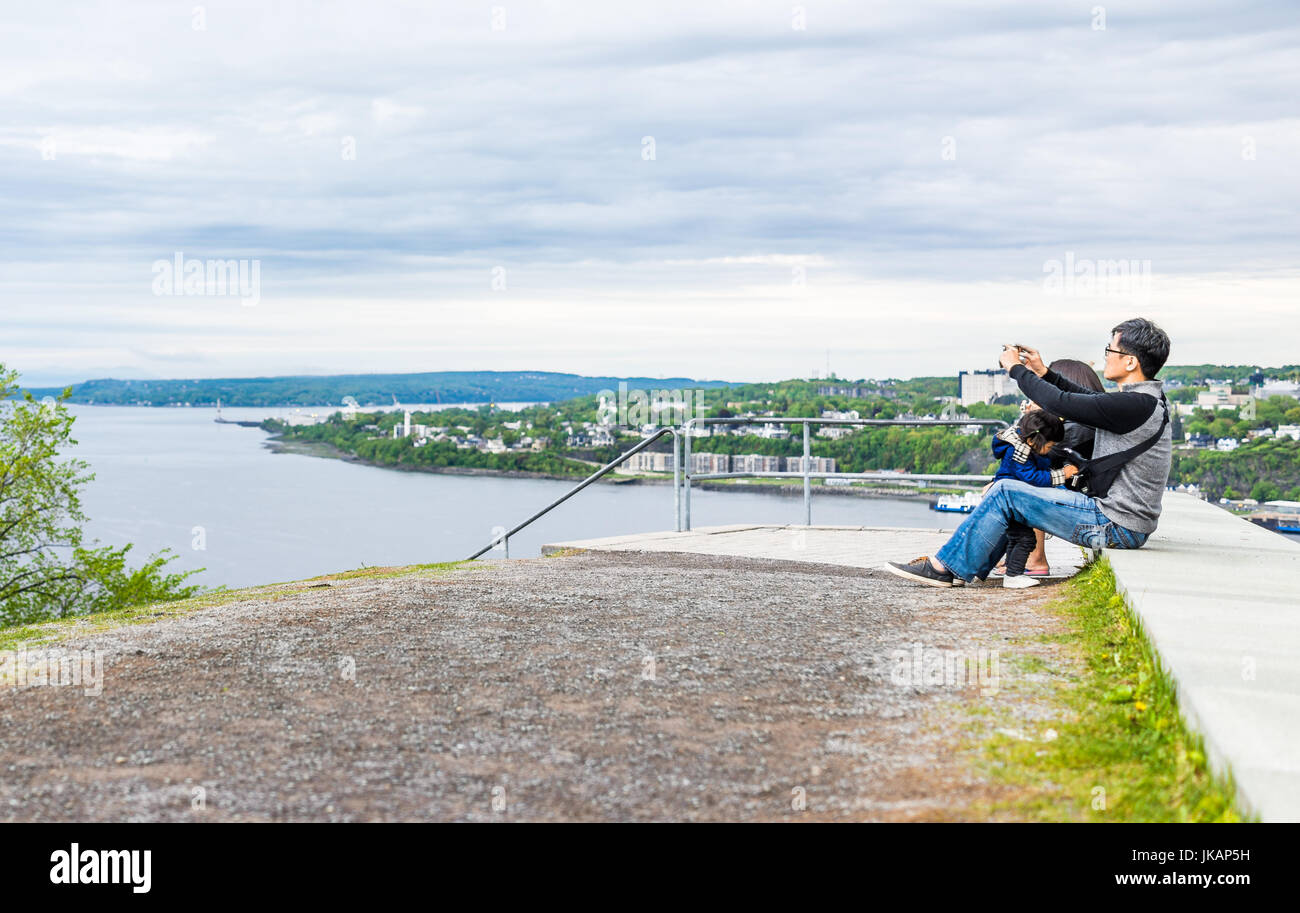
1117, 509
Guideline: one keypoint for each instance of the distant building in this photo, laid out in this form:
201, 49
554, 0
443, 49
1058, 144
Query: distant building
1283, 507
1291, 431
755, 462
984, 386
1190, 489
710, 462
1279, 388
1220, 396
650, 462
772, 432
1227, 444
815, 464
835, 432
850, 392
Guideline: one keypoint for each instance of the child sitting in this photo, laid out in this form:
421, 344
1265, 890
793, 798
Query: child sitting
1023, 451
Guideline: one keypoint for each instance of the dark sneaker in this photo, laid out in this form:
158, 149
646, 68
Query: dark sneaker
922, 571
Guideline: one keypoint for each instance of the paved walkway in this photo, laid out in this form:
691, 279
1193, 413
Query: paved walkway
1218, 596
1220, 599
846, 546
594, 687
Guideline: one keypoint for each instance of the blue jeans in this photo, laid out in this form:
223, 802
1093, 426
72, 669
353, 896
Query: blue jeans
980, 541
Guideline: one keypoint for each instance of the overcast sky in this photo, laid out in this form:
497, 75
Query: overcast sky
716, 190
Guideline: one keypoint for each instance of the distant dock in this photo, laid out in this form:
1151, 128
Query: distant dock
226, 421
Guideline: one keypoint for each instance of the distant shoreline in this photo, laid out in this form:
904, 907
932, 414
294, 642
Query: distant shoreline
790, 489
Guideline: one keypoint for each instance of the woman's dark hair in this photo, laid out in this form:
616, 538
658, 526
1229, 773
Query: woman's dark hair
1041, 425
1077, 372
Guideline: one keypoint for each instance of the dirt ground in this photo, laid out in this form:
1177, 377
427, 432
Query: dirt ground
593, 686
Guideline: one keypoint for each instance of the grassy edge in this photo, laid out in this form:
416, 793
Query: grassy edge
49, 632
1121, 749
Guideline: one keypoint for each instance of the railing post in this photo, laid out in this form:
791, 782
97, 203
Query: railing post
686, 476
807, 482
677, 481
506, 542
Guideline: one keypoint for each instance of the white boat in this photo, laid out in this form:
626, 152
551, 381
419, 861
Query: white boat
957, 504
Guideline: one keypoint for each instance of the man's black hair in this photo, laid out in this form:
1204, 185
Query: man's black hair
1150, 344
1041, 425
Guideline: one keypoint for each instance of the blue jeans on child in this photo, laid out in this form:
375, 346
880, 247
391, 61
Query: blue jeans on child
980, 541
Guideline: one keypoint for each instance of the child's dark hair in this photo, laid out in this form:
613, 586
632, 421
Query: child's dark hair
1039, 426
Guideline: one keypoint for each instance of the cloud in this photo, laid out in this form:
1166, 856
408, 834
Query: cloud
908, 156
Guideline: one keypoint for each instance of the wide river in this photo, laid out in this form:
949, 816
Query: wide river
214, 494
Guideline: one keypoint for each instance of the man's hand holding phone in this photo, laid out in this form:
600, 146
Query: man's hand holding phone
1013, 355
1010, 357
1033, 361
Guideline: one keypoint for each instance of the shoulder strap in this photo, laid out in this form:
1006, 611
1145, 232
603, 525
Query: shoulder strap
1123, 456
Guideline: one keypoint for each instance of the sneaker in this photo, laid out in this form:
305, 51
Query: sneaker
922, 571
1018, 582
1030, 572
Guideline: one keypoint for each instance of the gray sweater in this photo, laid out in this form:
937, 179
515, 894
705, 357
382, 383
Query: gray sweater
1122, 420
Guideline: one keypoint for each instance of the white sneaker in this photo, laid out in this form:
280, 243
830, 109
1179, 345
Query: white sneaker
1019, 582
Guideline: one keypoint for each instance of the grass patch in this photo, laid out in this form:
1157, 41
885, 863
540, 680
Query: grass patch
565, 552
50, 632
1122, 750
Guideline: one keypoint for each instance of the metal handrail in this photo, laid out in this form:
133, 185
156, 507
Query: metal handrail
504, 538
682, 475
806, 475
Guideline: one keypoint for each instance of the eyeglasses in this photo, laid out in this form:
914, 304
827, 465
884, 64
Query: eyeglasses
1108, 350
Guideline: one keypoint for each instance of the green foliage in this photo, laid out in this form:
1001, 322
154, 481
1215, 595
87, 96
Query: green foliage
1184, 394
1199, 375
1122, 732
938, 450
1272, 464
367, 389
104, 583
1008, 414
45, 569
1265, 491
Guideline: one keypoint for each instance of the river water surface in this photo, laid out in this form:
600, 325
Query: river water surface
214, 493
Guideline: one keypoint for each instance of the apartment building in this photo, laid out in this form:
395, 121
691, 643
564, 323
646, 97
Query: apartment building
815, 464
755, 462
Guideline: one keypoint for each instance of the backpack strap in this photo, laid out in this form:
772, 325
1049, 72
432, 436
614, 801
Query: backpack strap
1113, 460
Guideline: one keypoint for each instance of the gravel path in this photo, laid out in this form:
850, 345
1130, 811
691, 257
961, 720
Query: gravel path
594, 686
